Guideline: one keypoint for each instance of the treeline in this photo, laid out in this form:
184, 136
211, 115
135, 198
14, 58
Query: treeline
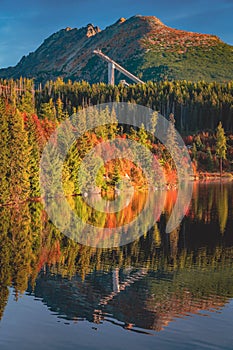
196, 106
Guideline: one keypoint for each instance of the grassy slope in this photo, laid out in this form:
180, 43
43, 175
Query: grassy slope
210, 64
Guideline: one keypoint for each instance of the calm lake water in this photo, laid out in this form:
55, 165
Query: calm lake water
163, 291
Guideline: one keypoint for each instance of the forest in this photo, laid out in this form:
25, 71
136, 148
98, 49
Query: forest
202, 112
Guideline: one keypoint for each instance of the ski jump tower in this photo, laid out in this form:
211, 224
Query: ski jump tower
112, 65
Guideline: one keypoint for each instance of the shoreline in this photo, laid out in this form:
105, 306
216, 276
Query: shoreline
200, 178
212, 177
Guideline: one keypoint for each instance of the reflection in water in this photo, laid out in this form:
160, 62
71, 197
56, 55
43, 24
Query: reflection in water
106, 229
142, 286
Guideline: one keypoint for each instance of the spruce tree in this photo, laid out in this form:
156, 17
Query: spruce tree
221, 146
210, 162
4, 154
34, 158
48, 110
172, 140
19, 158
153, 124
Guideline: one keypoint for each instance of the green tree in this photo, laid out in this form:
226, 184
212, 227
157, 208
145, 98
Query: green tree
153, 124
116, 174
210, 162
221, 146
172, 140
34, 158
19, 158
199, 144
60, 115
4, 154
48, 110
26, 103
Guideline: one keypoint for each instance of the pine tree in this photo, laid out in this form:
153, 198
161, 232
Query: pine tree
48, 110
68, 184
19, 158
34, 158
73, 161
221, 146
60, 115
4, 154
116, 174
143, 136
172, 139
194, 152
26, 104
210, 162
199, 144
153, 124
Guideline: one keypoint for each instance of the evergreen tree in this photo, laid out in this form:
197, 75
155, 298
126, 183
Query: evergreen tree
48, 110
19, 183
194, 152
153, 124
4, 154
68, 184
116, 174
199, 144
221, 146
210, 162
172, 140
26, 103
34, 158
60, 115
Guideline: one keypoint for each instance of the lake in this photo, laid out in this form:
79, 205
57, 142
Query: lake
162, 291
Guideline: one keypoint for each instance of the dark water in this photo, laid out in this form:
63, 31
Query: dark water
163, 291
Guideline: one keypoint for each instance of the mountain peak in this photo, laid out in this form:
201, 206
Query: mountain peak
149, 19
92, 30
142, 44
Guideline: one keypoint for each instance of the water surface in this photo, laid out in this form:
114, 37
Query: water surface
166, 291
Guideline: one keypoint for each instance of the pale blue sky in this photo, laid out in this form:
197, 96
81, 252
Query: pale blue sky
25, 24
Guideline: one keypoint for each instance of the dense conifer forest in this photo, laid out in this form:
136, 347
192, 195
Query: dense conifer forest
30, 114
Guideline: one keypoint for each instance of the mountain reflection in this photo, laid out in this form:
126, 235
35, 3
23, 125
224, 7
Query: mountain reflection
141, 286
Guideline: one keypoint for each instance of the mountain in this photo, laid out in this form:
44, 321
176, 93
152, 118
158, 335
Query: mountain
142, 44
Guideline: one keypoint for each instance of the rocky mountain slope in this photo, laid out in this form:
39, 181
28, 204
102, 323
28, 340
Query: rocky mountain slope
142, 44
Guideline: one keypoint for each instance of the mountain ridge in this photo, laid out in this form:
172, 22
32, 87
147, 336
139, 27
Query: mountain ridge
142, 44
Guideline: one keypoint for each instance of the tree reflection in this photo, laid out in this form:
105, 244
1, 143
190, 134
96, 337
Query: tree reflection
146, 283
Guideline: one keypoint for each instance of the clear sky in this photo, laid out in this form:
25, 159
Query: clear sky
25, 24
